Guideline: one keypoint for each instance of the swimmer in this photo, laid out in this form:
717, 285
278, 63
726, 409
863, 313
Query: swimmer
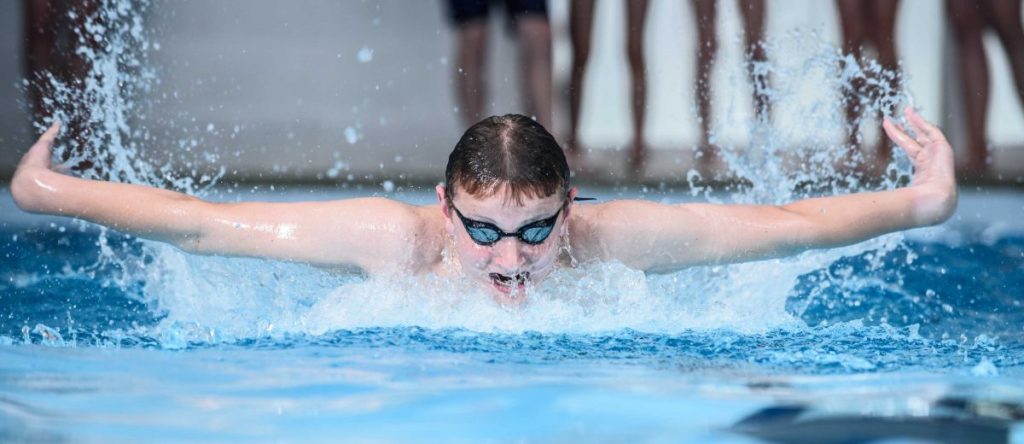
506, 215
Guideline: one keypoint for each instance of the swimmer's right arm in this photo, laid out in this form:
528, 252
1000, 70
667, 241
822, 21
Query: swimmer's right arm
373, 234
139, 210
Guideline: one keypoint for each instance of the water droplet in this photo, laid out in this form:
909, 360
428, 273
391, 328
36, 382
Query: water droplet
365, 55
351, 135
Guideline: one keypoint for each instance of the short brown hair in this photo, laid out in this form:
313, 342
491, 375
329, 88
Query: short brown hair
513, 152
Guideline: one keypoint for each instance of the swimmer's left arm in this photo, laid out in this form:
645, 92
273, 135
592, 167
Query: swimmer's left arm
655, 237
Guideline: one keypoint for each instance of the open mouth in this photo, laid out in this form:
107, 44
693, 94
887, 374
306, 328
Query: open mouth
508, 283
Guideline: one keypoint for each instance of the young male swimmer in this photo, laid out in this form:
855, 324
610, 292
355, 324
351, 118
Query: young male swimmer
505, 216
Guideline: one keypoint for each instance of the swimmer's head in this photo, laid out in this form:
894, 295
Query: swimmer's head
507, 179
513, 154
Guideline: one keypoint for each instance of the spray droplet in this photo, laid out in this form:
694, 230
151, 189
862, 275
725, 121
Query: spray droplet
365, 55
351, 135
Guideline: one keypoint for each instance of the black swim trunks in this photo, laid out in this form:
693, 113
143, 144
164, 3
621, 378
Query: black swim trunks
466, 10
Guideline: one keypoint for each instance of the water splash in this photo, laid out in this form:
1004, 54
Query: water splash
105, 112
213, 299
105, 124
799, 151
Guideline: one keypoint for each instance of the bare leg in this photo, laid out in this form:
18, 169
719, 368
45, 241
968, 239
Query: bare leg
78, 66
707, 45
753, 21
968, 24
636, 20
535, 50
40, 29
1004, 15
469, 71
884, 36
581, 21
854, 30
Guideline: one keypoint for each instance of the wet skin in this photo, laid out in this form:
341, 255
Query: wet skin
385, 237
509, 266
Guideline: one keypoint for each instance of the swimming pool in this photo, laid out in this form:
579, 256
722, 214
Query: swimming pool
104, 338
921, 337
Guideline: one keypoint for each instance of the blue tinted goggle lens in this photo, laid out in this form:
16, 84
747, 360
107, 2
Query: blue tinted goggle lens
483, 236
536, 235
484, 233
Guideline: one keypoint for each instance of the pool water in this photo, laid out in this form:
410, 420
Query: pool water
914, 336
921, 340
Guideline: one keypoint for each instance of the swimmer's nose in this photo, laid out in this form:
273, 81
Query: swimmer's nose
508, 256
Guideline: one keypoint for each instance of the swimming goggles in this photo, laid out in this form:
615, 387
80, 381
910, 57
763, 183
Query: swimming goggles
486, 234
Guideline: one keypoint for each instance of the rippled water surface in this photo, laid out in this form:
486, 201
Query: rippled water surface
106, 338
93, 349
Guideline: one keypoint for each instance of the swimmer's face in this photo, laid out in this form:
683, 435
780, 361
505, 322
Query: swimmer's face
509, 266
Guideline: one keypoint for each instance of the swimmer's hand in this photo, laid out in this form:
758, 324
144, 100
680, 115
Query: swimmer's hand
661, 238
371, 234
38, 156
34, 165
934, 177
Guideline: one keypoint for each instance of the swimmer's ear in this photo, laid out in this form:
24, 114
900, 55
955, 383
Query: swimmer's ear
572, 198
442, 201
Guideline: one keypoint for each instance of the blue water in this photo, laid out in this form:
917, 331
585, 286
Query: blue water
91, 352
105, 338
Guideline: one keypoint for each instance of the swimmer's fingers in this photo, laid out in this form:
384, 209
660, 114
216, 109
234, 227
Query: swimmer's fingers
901, 138
39, 154
926, 132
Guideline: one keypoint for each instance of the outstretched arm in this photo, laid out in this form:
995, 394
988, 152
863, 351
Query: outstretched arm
656, 237
372, 234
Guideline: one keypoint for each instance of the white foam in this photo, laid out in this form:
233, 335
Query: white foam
216, 298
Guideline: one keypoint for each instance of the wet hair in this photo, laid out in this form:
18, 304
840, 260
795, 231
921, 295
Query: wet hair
513, 153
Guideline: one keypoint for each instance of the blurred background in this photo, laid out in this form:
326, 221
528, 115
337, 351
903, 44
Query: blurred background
317, 91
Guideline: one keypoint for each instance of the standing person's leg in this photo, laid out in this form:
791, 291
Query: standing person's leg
469, 71
83, 10
581, 22
535, 41
1004, 15
636, 18
40, 38
753, 13
470, 18
967, 21
531, 21
79, 128
707, 45
883, 33
852, 21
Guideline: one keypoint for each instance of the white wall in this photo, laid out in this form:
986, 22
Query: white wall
287, 74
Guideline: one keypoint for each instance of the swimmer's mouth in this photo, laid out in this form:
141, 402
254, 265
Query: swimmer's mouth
507, 283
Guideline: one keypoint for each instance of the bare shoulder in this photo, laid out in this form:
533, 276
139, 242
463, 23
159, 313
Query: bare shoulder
393, 235
597, 228
375, 234
428, 240
630, 231
618, 215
